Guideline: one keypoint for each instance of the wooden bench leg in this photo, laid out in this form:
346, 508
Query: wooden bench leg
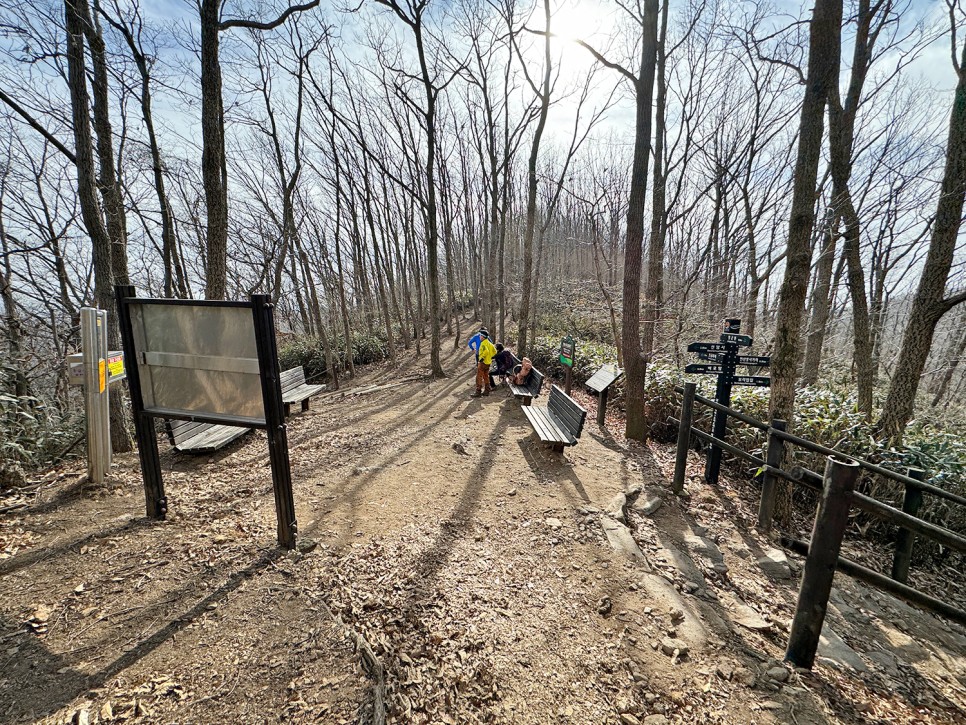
288, 409
305, 405
558, 448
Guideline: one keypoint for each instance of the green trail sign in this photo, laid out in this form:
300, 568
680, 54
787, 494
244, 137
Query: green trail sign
567, 347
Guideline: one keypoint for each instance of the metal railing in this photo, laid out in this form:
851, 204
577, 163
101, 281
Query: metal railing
836, 498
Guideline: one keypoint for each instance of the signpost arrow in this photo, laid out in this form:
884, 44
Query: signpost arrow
709, 347
755, 360
741, 340
754, 380
704, 369
711, 356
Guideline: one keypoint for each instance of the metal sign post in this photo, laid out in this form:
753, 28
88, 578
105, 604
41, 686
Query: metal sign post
725, 358
96, 368
568, 347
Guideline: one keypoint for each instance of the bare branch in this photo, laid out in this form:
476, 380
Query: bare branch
255, 25
35, 124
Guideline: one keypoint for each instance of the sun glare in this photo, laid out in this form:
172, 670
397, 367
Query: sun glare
576, 20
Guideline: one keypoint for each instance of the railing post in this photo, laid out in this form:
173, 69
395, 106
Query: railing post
684, 437
602, 406
907, 539
823, 553
773, 459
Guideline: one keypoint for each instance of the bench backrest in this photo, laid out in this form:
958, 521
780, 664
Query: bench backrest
534, 382
180, 431
567, 411
291, 379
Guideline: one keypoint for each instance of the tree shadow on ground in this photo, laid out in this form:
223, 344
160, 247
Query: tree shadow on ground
36, 675
43, 553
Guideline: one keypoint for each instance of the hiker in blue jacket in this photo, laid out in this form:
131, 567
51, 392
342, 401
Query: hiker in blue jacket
474, 343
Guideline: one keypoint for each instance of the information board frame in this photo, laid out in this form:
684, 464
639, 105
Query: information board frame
273, 421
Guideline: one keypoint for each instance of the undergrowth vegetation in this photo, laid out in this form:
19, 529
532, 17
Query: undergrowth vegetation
31, 434
309, 353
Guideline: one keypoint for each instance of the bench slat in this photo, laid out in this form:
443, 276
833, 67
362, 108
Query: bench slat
289, 379
210, 438
545, 427
301, 392
560, 422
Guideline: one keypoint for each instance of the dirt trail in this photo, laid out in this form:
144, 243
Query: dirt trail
473, 563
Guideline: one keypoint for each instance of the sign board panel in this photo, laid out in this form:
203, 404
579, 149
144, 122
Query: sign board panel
604, 378
711, 356
115, 368
567, 348
741, 340
754, 380
198, 359
754, 360
704, 369
709, 347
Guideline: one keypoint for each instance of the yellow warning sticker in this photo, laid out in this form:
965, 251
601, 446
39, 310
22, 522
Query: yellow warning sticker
115, 364
102, 374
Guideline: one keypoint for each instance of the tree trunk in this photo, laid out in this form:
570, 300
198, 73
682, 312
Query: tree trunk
75, 11
213, 167
929, 304
821, 303
823, 68
526, 279
636, 365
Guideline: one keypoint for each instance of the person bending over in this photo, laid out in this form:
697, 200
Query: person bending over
485, 355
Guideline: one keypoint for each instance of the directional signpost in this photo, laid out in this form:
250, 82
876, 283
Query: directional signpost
568, 347
95, 368
724, 358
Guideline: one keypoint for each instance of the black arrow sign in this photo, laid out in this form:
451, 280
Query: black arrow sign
710, 347
757, 381
711, 356
756, 360
742, 340
704, 369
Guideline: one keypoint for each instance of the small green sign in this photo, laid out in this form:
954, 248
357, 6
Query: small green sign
567, 348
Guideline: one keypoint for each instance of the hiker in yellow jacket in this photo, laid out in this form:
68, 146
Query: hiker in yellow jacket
484, 356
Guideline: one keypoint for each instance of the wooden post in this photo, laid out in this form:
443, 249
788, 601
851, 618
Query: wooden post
602, 406
568, 380
684, 437
776, 452
906, 538
823, 553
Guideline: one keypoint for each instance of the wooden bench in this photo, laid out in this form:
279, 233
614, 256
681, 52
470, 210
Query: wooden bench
296, 390
192, 437
560, 423
530, 389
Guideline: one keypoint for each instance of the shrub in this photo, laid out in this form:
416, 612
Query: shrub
309, 353
31, 433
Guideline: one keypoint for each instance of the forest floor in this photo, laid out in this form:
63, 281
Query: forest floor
451, 568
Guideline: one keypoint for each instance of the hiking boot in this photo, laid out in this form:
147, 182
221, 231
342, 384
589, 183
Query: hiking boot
486, 392
477, 394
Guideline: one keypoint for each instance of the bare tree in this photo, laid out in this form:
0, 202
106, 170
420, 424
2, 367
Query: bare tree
931, 301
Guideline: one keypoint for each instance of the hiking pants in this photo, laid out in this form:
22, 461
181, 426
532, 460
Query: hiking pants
482, 377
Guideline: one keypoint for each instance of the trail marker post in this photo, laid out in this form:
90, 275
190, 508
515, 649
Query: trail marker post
95, 368
568, 347
722, 360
